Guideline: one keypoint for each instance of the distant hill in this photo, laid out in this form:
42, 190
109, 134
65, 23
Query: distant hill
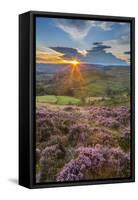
50, 68
56, 68
97, 80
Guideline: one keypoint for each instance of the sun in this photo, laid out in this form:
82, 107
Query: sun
74, 62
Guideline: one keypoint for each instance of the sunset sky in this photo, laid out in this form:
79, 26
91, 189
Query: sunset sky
59, 41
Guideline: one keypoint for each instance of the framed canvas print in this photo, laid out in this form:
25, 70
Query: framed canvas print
76, 99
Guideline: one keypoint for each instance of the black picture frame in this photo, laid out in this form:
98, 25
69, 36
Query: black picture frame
27, 98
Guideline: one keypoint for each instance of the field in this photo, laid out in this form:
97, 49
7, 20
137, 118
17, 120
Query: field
82, 143
60, 100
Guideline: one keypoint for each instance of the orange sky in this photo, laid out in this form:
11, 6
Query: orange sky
52, 57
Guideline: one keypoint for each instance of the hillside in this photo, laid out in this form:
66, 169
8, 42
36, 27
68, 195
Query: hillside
93, 80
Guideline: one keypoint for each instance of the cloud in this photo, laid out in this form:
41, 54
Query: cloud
97, 43
70, 53
58, 55
127, 56
98, 55
125, 39
82, 52
79, 29
48, 56
106, 26
119, 46
127, 52
65, 50
99, 46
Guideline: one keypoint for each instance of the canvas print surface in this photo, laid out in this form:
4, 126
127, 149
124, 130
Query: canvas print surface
83, 92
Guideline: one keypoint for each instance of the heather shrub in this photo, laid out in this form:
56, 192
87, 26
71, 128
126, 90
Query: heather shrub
125, 133
50, 122
58, 139
110, 117
92, 163
52, 158
45, 125
78, 134
54, 151
71, 108
82, 143
119, 162
124, 139
41, 145
101, 136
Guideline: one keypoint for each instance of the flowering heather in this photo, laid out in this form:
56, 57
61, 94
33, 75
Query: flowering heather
125, 133
57, 139
53, 151
48, 162
102, 136
78, 133
93, 161
125, 138
119, 161
49, 122
73, 170
110, 117
82, 143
